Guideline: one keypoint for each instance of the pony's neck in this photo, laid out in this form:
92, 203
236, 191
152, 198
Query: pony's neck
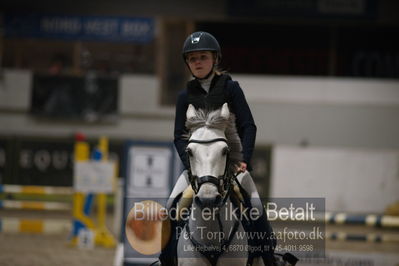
205, 226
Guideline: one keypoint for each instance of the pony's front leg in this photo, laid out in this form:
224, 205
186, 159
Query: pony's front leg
186, 253
193, 262
238, 261
202, 261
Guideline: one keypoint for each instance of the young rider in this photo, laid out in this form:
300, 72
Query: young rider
210, 89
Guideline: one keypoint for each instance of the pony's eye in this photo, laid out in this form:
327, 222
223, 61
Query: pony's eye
189, 152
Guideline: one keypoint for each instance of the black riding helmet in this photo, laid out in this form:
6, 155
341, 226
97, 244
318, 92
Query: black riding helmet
201, 41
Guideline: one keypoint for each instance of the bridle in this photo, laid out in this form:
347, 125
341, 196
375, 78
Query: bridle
222, 182
224, 185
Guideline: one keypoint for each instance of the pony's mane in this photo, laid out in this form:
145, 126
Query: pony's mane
213, 119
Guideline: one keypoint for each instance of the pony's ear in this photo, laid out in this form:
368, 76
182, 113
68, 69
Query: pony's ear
190, 112
225, 112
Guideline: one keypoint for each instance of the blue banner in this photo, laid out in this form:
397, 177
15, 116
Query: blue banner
90, 28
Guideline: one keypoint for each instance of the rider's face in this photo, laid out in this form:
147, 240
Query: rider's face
200, 63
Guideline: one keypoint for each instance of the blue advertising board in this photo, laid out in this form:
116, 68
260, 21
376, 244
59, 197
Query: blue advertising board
150, 169
69, 27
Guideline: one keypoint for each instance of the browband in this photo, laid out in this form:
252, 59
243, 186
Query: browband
207, 141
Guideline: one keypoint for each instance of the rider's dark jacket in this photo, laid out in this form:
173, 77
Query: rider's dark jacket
221, 90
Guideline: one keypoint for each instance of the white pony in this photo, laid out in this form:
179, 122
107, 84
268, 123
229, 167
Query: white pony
213, 235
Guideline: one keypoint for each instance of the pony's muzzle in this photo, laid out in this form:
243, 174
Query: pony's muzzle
205, 202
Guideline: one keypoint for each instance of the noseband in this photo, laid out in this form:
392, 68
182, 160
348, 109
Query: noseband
222, 182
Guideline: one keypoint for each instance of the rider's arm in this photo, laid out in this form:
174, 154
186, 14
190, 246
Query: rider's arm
245, 123
180, 128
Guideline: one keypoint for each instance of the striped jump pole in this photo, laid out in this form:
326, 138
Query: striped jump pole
39, 226
370, 220
35, 205
41, 190
370, 237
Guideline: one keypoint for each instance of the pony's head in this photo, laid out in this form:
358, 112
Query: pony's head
213, 150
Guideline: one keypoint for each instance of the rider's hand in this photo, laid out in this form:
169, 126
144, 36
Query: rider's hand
241, 167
